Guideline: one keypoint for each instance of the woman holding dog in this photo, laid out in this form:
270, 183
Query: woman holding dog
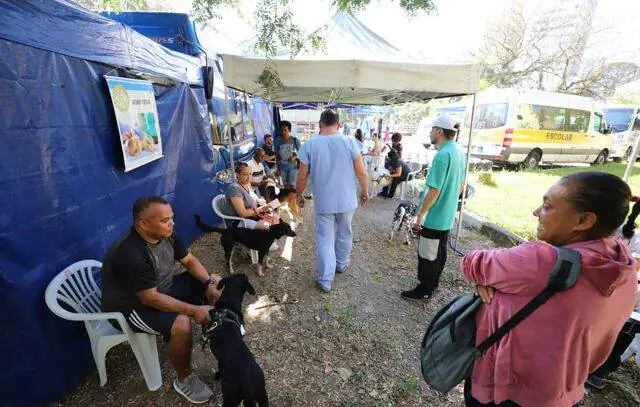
545, 360
242, 201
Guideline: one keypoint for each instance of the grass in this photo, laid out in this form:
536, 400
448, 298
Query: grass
408, 386
511, 201
625, 382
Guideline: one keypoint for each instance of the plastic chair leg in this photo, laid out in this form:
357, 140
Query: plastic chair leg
99, 355
254, 257
146, 351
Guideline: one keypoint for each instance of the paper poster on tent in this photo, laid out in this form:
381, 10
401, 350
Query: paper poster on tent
135, 107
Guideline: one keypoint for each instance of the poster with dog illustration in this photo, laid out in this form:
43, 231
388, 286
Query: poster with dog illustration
135, 107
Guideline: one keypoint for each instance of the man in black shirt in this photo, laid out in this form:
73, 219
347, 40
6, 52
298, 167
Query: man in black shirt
270, 156
138, 281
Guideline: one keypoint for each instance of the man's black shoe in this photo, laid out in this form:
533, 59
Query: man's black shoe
415, 295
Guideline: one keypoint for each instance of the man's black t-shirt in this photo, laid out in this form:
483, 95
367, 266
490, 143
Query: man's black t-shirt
393, 164
132, 265
269, 152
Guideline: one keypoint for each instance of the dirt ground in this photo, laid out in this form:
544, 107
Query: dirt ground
357, 346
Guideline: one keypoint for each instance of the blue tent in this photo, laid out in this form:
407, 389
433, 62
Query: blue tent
65, 196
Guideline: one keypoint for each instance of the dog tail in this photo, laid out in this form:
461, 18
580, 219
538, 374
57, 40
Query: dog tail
207, 228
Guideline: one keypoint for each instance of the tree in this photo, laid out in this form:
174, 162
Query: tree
550, 52
517, 45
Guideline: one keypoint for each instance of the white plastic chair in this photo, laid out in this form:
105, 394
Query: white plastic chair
76, 288
415, 170
634, 346
217, 203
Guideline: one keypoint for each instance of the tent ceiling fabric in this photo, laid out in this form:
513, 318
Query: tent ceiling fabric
360, 67
353, 81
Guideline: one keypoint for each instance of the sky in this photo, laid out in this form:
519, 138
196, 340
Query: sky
454, 34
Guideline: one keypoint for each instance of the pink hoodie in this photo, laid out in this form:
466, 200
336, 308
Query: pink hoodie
546, 359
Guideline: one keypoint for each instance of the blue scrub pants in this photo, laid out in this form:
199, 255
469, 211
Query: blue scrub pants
334, 239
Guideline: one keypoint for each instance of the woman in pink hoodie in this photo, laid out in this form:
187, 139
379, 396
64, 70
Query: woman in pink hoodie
545, 360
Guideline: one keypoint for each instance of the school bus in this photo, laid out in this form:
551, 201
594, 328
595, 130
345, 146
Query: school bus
527, 127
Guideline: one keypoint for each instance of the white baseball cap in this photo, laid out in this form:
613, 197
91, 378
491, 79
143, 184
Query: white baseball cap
444, 121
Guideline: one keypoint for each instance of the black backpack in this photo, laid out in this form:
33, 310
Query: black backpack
448, 348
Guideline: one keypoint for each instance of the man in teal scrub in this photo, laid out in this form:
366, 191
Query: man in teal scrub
443, 186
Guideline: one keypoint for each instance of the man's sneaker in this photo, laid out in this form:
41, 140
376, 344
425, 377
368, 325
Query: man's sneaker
322, 288
595, 382
342, 269
415, 295
193, 389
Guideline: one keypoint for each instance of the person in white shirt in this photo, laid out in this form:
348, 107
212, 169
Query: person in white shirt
258, 174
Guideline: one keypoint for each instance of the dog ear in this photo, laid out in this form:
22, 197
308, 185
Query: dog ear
221, 283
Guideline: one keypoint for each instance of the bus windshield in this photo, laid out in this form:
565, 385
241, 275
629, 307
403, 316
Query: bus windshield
619, 119
488, 116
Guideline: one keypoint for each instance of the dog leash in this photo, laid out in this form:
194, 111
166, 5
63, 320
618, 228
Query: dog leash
219, 318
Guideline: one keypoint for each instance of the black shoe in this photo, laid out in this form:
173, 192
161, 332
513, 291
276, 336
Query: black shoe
415, 295
595, 382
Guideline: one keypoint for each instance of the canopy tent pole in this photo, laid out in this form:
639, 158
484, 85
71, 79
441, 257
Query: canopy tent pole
632, 160
455, 246
228, 129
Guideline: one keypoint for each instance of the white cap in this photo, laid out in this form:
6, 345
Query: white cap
444, 121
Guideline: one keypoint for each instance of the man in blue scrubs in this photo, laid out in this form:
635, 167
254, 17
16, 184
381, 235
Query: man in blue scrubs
336, 163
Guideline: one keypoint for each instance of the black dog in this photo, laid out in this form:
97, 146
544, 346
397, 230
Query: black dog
241, 376
254, 239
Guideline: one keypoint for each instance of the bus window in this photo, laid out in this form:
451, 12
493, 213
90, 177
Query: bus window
528, 117
619, 118
489, 116
597, 122
578, 120
550, 117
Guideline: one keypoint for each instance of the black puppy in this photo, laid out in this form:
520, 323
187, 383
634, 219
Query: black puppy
254, 239
241, 376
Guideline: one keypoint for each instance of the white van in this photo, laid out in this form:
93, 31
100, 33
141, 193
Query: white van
624, 121
527, 127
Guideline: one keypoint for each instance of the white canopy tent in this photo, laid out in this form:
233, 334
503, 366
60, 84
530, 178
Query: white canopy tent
383, 75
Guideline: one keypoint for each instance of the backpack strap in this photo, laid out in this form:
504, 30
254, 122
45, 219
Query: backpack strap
563, 276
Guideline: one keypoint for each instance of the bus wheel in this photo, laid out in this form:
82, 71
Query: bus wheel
532, 161
601, 159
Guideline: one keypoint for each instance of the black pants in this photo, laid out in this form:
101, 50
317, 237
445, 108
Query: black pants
625, 337
390, 190
432, 256
469, 401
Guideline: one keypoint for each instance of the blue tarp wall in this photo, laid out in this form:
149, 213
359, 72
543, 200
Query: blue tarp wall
64, 195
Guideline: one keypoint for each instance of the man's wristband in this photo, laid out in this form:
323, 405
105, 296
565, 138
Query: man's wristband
209, 281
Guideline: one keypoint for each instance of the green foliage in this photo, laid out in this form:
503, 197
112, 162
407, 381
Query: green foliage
122, 5
411, 7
